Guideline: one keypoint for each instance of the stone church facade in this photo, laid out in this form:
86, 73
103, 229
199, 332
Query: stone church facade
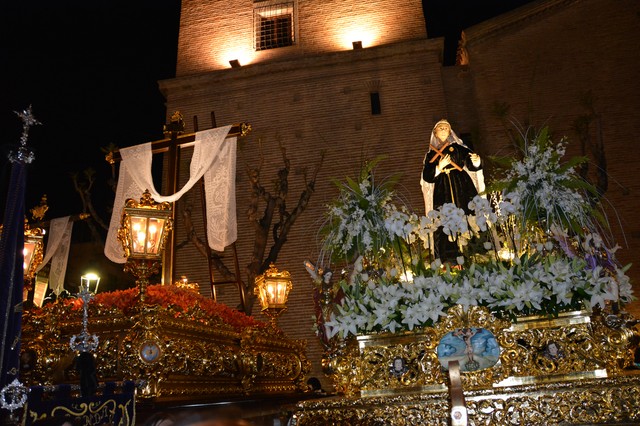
301, 82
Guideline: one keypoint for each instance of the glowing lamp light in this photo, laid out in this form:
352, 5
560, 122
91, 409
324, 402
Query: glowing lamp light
237, 50
406, 276
145, 227
143, 233
506, 254
32, 251
89, 282
272, 289
184, 282
356, 36
27, 252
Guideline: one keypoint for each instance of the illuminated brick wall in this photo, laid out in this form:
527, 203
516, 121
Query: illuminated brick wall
213, 33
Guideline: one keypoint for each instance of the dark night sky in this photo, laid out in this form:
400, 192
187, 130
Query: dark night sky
90, 70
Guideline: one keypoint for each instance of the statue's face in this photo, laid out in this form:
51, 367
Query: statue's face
442, 131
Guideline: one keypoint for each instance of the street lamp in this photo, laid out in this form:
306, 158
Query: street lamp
85, 342
272, 289
143, 233
90, 283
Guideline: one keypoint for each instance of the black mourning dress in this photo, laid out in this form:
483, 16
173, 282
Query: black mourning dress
450, 186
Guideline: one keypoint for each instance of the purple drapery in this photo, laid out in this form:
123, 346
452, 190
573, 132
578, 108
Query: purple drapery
11, 274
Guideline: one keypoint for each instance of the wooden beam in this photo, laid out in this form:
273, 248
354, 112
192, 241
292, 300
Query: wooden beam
183, 141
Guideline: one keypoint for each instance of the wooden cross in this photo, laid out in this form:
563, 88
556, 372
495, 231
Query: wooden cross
175, 138
439, 154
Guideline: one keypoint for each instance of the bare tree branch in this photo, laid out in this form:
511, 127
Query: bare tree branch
275, 209
192, 237
274, 220
83, 186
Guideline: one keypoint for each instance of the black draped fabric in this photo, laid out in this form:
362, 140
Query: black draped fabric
453, 185
86, 366
11, 274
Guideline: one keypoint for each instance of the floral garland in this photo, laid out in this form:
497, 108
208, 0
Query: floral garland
532, 246
541, 188
355, 221
182, 303
550, 286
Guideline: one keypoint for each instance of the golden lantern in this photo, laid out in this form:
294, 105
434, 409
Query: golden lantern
32, 251
272, 289
143, 233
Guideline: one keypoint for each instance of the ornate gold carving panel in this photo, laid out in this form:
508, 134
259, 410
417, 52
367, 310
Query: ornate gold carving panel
174, 357
573, 346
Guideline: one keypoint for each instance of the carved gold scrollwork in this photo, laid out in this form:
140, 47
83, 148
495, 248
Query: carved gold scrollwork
593, 401
173, 355
574, 345
617, 339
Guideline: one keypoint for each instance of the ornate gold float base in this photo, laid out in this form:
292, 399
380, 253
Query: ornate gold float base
173, 355
578, 402
575, 368
533, 350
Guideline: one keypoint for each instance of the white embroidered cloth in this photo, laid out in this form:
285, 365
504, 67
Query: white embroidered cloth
214, 158
58, 244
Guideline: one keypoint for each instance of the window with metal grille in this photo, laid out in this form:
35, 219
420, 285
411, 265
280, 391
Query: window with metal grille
273, 25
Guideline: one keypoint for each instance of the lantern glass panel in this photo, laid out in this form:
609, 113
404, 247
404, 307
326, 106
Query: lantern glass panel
29, 248
271, 292
90, 283
154, 235
276, 291
280, 292
263, 295
138, 234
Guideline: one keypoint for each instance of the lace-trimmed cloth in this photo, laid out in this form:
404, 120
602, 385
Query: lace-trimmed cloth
58, 244
214, 159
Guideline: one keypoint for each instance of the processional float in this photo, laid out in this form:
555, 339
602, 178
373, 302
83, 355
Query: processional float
526, 326
167, 342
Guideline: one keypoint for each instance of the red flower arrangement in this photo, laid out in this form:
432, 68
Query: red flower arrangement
182, 303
